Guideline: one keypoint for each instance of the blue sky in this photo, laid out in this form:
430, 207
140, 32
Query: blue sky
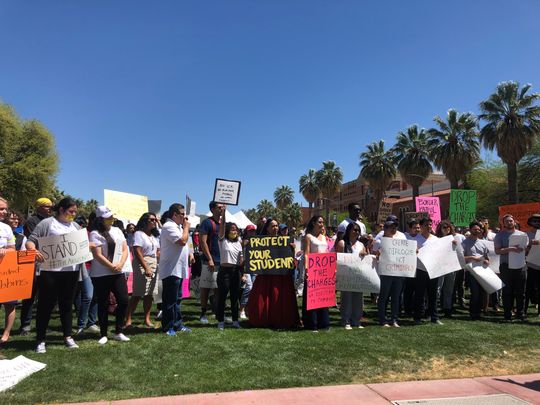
160, 98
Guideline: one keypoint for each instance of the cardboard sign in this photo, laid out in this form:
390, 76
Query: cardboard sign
494, 258
125, 205
432, 206
13, 371
64, 250
357, 274
16, 275
534, 254
269, 255
385, 209
521, 213
517, 260
462, 207
227, 191
117, 257
487, 278
439, 256
397, 258
321, 280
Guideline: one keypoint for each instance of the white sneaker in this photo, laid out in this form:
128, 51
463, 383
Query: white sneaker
70, 343
204, 320
243, 315
121, 337
221, 325
236, 325
93, 328
41, 348
79, 332
348, 327
103, 340
228, 320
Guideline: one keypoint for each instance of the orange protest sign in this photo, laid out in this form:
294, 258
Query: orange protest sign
16, 275
520, 212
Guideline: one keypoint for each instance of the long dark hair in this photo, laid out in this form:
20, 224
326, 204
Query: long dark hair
450, 225
264, 231
143, 223
64, 203
99, 225
347, 239
228, 227
311, 224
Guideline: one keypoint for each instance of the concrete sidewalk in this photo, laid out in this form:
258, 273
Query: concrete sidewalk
524, 387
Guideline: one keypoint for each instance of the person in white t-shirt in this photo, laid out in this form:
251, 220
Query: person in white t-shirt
230, 268
58, 284
145, 247
110, 254
173, 268
354, 216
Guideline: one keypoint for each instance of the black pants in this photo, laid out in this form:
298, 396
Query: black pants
315, 318
514, 290
477, 296
228, 281
408, 296
532, 292
422, 284
458, 287
55, 286
103, 286
27, 305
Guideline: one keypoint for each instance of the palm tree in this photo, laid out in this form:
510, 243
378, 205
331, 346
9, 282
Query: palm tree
329, 180
378, 168
265, 208
283, 196
512, 124
454, 147
412, 157
291, 215
309, 188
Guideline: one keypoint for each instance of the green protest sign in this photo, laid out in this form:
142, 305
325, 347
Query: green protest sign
462, 207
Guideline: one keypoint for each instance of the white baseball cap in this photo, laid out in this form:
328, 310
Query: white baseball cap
103, 212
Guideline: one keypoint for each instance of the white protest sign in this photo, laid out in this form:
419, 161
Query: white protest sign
534, 254
439, 256
460, 253
397, 258
64, 250
227, 191
13, 371
486, 277
494, 258
357, 274
517, 260
117, 257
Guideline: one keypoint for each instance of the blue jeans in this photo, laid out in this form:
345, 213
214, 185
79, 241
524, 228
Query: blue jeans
85, 304
171, 298
391, 287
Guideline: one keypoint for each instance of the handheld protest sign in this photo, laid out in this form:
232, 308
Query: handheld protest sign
397, 258
385, 209
227, 191
16, 275
439, 257
65, 250
462, 207
321, 280
269, 255
125, 206
520, 212
357, 274
432, 206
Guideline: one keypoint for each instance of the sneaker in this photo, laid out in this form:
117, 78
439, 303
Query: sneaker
70, 343
236, 325
171, 332
385, 325
103, 340
221, 325
315, 331
204, 320
40, 348
120, 337
437, 322
79, 332
360, 327
243, 315
396, 325
228, 320
185, 329
25, 331
348, 327
94, 328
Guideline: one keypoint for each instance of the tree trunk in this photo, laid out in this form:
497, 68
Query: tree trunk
512, 183
327, 212
310, 209
454, 183
415, 191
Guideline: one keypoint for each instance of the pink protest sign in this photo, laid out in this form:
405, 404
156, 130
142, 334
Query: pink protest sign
185, 285
321, 280
432, 206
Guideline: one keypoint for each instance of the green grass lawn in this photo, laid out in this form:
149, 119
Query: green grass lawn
207, 360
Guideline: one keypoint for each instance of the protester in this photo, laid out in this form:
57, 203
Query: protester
130, 234
351, 303
7, 243
173, 268
514, 279
247, 279
230, 269
145, 248
391, 286
533, 270
410, 282
355, 213
476, 252
446, 282
106, 272
209, 232
314, 242
58, 284
272, 300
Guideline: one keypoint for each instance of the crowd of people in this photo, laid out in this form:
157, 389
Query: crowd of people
163, 251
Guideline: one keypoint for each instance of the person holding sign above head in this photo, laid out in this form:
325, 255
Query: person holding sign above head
7, 242
314, 242
391, 286
57, 284
510, 244
230, 268
110, 255
145, 246
352, 303
272, 300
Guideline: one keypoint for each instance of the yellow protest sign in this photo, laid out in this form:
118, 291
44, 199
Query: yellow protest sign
125, 205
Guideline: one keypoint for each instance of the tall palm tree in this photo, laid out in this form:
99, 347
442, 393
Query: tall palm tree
455, 146
309, 188
329, 180
412, 157
283, 196
378, 168
512, 124
265, 208
291, 215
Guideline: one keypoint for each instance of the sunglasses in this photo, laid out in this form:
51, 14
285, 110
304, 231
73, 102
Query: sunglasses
153, 220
